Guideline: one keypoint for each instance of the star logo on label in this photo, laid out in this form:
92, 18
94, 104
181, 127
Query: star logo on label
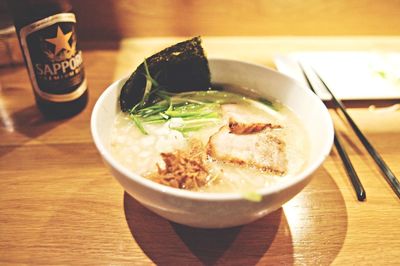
61, 41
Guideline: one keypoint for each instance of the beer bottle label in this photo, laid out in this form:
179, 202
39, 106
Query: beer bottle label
53, 58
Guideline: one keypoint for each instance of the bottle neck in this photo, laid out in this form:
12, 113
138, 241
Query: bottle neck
25, 12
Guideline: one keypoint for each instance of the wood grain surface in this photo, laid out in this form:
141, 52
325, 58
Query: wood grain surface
138, 18
60, 205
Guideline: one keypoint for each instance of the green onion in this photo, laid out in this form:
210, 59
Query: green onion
197, 109
252, 196
148, 76
268, 103
139, 124
195, 124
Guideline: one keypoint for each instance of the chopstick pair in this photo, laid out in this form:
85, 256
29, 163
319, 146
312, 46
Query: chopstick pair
390, 177
355, 180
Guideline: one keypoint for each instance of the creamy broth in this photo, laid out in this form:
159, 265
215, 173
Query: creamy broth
141, 153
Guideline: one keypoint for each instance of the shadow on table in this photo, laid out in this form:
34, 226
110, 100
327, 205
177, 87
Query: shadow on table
168, 243
318, 220
28, 122
310, 228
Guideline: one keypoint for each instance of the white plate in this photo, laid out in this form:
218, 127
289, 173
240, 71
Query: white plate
350, 75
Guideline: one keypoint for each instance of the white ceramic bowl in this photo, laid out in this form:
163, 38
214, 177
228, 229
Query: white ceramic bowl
218, 210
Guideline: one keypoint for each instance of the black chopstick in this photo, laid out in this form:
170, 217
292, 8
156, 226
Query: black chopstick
390, 177
351, 173
358, 187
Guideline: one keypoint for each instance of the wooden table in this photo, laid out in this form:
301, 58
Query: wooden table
60, 205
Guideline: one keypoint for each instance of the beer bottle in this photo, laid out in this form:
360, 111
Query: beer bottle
47, 34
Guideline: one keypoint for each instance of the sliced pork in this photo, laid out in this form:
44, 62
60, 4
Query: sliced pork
255, 144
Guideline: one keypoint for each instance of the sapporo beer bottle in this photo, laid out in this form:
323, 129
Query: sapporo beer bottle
47, 35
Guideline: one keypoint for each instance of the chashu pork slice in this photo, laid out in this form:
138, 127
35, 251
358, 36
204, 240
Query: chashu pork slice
262, 149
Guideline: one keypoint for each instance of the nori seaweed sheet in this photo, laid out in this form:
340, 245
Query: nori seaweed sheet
181, 67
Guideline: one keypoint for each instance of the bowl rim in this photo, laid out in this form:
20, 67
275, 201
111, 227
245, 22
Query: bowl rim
274, 188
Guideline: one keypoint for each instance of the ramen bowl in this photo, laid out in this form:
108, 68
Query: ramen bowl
221, 210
